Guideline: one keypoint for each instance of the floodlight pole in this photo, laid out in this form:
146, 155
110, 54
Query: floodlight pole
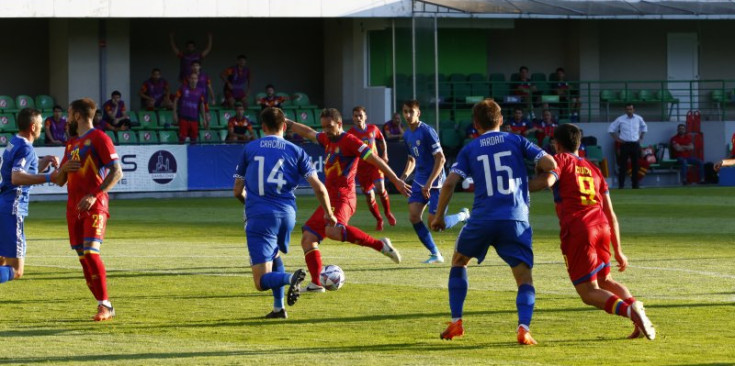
393, 60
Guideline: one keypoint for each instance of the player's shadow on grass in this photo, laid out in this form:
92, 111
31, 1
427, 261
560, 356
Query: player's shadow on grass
158, 273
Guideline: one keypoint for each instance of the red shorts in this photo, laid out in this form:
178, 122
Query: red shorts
343, 210
367, 175
86, 227
586, 252
188, 128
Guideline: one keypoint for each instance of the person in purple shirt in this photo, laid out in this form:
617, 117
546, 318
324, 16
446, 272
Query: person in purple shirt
114, 114
55, 127
189, 55
155, 92
392, 130
203, 81
237, 82
189, 104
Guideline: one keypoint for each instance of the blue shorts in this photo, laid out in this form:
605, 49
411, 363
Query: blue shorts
267, 235
12, 237
417, 196
511, 239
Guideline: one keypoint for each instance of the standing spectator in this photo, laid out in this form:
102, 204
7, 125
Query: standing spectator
628, 131
518, 123
237, 82
189, 104
203, 81
271, 99
19, 171
392, 129
239, 127
525, 88
55, 127
155, 92
189, 55
682, 148
115, 116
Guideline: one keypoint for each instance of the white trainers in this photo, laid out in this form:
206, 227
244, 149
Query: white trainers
389, 251
638, 316
434, 258
466, 213
313, 287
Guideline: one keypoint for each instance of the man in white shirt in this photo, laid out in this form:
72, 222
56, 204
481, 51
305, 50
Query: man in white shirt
628, 130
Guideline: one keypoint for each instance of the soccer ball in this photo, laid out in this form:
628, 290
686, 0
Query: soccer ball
332, 277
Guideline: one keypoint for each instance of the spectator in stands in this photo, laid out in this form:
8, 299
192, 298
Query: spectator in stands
237, 82
190, 103
628, 131
271, 99
682, 149
392, 129
96, 122
569, 103
115, 116
204, 81
239, 127
524, 87
471, 132
518, 123
549, 147
155, 92
189, 55
505, 127
55, 127
545, 127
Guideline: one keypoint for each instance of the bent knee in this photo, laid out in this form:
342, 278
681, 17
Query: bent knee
335, 233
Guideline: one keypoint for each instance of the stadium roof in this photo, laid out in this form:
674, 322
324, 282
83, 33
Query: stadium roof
578, 9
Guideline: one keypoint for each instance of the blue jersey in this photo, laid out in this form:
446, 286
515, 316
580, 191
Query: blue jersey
271, 168
495, 161
18, 156
422, 144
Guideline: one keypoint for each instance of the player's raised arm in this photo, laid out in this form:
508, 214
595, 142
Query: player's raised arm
302, 130
321, 194
402, 187
173, 44
445, 195
612, 219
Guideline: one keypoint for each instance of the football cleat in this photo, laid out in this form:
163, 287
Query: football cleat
434, 258
524, 336
455, 329
294, 289
389, 251
104, 313
636, 333
277, 314
466, 213
638, 315
391, 219
379, 225
313, 287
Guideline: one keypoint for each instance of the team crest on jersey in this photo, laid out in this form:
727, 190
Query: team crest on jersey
418, 142
87, 142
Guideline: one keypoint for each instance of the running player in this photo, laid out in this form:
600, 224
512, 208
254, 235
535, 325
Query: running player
91, 168
265, 178
588, 224
495, 161
19, 167
426, 156
343, 151
369, 176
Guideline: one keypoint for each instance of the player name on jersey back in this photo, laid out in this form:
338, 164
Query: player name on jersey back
492, 140
273, 144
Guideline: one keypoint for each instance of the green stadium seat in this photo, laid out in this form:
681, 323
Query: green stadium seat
223, 134
133, 117
7, 122
41, 140
463, 126
24, 101
594, 153
147, 120
645, 96
549, 99
165, 119
147, 137
301, 100
286, 104
127, 137
5, 138
447, 123
209, 136
450, 139
290, 114
168, 137
462, 114
7, 104
224, 117
45, 103
306, 116
112, 135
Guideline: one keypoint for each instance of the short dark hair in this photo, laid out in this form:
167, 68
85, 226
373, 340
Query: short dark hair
155, 69
487, 114
522, 68
114, 93
517, 109
560, 69
242, 56
189, 42
359, 108
273, 118
331, 113
196, 62
26, 117
85, 106
270, 86
629, 104
412, 103
569, 136
58, 107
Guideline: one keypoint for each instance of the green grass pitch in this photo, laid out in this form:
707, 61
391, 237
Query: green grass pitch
180, 282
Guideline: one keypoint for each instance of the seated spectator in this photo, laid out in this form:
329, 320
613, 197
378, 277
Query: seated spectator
505, 127
115, 116
471, 132
239, 127
271, 99
237, 82
97, 121
682, 149
518, 123
155, 92
549, 147
203, 81
569, 105
392, 129
543, 127
524, 87
55, 127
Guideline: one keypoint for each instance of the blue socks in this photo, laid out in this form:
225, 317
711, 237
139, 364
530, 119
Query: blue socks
451, 220
7, 273
458, 285
525, 300
425, 236
275, 281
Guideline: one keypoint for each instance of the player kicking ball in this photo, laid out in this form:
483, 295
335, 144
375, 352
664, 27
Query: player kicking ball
266, 176
343, 151
495, 161
588, 225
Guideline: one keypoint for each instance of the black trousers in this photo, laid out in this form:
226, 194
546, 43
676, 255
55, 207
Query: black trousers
632, 151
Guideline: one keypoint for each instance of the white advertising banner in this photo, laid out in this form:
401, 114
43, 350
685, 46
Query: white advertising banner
145, 169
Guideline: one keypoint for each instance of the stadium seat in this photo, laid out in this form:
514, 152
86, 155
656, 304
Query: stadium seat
594, 153
450, 139
5, 138
147, 137
112, 135
306, 116
127, 137
224, 117
209, 136
287, 104
301, 100
447, 123
7, 122
165, 119
168, 137
147, 120
463, 125
45, 103
7, 104
223, 134
24, 101
133, 118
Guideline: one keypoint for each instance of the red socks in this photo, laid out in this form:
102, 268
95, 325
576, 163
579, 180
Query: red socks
314, 264
87, 275
386, 202
359, 237
373, 207
614, 305
97, 274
